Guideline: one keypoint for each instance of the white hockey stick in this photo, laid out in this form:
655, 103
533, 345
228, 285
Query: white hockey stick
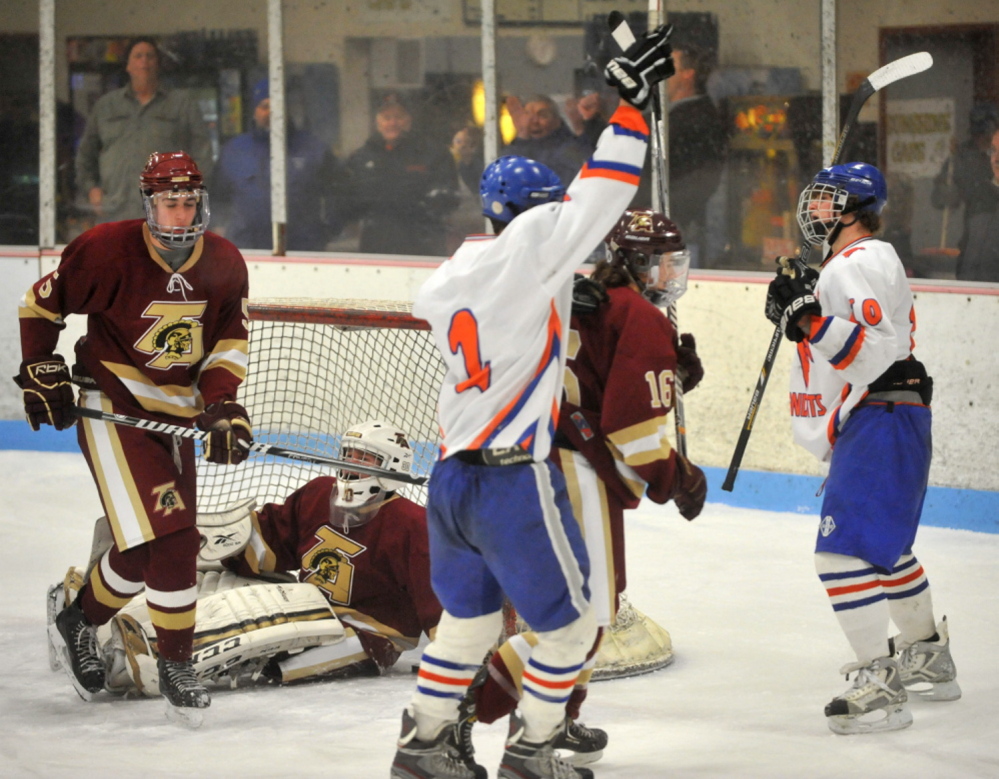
277, 451
622, 34
901, 68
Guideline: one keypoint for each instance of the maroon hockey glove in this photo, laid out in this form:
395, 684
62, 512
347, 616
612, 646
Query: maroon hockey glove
47, 393
229, 434
646, 62
690, 489
688, 365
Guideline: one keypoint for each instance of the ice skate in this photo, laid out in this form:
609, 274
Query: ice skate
927, 669
460, 734
534, 760
185, 696
578, 744
876, 701
437, 759
74, 642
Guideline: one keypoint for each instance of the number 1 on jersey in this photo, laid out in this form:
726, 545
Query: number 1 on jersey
463, 334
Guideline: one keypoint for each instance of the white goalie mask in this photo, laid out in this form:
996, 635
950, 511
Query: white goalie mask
378, 444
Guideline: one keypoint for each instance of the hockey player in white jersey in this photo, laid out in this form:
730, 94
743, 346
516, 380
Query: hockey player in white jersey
860, 400
499, 518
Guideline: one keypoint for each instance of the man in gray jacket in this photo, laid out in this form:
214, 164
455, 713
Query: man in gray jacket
129, 124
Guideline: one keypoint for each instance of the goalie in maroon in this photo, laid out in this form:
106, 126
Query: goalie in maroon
167, 339
624, 358
364, 546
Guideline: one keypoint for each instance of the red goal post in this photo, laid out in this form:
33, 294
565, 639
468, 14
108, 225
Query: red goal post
317, 367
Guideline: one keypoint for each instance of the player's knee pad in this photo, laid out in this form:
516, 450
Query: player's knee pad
466, 640
569, 643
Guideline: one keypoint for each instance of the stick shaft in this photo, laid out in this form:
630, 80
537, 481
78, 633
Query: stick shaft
165, 428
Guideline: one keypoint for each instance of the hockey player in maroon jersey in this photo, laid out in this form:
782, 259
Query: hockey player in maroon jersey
623, 360
364, 546
166, 338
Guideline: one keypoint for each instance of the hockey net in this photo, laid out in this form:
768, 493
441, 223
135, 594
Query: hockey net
318, 367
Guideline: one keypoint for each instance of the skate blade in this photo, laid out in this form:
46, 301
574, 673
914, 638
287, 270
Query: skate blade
61, 653
51, 609
895, 717
579, 758
185, 716
939, 691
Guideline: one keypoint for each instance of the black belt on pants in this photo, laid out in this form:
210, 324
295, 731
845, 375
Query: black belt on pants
511, 455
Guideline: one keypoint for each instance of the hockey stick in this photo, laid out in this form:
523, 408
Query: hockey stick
622, 34
888, 74
277, 451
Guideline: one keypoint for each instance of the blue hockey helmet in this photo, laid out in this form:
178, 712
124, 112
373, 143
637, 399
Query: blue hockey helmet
511, 185
850, 188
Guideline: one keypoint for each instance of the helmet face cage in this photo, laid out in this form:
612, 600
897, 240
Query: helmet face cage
512, 185
388, 448
819, 209
180, 236
667, 280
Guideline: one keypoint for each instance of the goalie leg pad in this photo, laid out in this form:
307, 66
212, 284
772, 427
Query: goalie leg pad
634, 644
346, 658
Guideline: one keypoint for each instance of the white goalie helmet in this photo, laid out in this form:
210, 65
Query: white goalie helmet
373, 443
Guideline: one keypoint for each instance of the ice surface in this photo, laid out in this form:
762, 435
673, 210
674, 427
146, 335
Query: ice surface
757, 657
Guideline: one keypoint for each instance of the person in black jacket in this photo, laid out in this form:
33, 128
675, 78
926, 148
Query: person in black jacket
401, 186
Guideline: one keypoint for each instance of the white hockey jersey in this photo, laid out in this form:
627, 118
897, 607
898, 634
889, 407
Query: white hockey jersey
867, 324
499, 308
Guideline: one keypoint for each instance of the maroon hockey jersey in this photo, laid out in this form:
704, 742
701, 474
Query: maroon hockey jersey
158, 341
377, 575
618, 392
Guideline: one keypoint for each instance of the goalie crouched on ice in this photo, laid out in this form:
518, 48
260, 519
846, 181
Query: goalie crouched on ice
362, 596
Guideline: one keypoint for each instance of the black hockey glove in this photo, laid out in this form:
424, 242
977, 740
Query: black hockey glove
229, 434
788, 300
792, 266
587, 295
47, 393
646, 62
688, 365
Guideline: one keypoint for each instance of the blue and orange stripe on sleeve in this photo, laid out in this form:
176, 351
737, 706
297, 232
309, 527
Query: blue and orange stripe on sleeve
606, 169
850, 350
629, 119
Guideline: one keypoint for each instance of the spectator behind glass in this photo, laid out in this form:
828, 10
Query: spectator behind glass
697, 143
402, 186
966, 177
242, 186
126, 126
544, 137
979, 261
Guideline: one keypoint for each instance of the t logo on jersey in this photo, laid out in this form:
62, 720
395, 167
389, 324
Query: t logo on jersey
167, 498
329, 565
175, 338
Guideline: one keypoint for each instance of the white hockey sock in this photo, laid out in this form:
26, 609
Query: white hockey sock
909, 600
551, 674
859, 602
448, 666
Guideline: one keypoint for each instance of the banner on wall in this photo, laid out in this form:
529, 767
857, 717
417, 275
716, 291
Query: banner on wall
919, 134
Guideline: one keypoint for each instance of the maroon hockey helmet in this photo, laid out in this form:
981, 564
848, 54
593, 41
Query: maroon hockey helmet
649, 246
174, 175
